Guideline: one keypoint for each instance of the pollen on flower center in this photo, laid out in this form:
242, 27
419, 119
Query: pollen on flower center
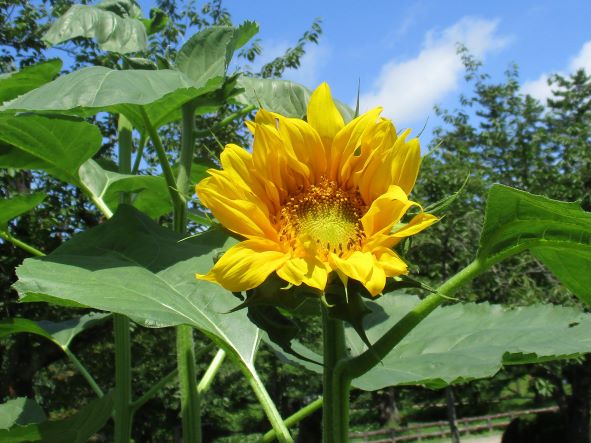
326, 215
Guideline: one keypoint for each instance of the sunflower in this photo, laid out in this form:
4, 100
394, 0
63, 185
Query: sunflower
315, 196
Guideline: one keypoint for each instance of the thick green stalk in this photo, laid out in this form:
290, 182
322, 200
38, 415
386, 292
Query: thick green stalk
21, 244
123, 412
335, 412
295, 418
190, 402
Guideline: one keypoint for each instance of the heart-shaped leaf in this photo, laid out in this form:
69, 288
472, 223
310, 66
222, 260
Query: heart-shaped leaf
17, 83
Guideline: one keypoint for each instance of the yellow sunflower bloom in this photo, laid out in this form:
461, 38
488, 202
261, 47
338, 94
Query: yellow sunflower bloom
314, 197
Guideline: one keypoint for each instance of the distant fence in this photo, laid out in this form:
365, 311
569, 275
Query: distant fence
465, 426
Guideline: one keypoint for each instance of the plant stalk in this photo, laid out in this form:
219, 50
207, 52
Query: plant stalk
335, 414
89, 378
187, 370
21, 244
210, 373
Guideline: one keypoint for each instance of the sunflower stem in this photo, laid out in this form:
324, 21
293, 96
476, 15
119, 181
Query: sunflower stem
185, 346
335, 391
295, 418
123, 412
21, 244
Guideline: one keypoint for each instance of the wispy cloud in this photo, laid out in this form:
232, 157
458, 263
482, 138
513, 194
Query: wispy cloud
539, 87
409, 89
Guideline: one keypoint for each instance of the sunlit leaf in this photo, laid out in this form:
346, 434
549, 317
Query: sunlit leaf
207, 54
463, 342
17, 83
75, 429
149, 194
111, 31
20, 411
56, 145
281, 96
18, 205
557, 233
61, 333
132, 266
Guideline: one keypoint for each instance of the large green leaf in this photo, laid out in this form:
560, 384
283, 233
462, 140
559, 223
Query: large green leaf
557, 233
208, 53
75, 429
111, 31
468, 341
94, 89
132, 266
17, 83
20, 411
56, 145
15, 206
61, 333
148, 194
281, 96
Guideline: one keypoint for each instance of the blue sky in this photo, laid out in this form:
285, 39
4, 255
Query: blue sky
404, 51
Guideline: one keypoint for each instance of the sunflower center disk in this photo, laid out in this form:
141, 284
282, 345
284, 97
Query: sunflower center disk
326, 215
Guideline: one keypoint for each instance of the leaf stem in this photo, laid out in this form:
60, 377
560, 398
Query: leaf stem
229, 119
139, 154
295, 418
78, 364
281, 432
163, 159
211, 371
21, 244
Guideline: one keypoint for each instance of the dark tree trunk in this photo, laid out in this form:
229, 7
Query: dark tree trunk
451, 414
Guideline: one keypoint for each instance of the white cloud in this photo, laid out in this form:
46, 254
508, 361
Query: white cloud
409, 89
540, 89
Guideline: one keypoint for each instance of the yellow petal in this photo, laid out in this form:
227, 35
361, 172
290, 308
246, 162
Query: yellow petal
405, 167
244, 217
390, 262
323, 115
309, 271
361, 266
385, 211
246, 265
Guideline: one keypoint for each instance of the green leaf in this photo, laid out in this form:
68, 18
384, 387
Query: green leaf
20, 411
557, 233
56, 145
468, 341
75, 429
157, 21
15, 206
132, 266
208, 53
148, 194
94, 89
111, 31
61, 333
17, 83
281, 96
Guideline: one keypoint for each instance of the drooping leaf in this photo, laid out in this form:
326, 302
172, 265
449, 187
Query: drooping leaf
20, 411
281, 96
208, 53
94, 89
132, 266
18, 205
61, 333
463, 342
75, 429
557, 233
57, 145
17, 83
111, 31
148, 194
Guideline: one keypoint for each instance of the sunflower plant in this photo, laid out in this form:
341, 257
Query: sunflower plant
313, 219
